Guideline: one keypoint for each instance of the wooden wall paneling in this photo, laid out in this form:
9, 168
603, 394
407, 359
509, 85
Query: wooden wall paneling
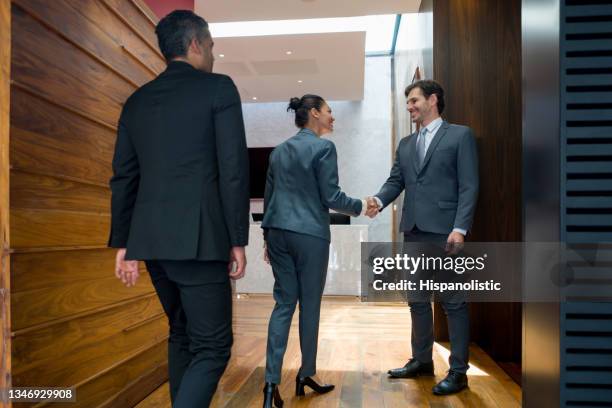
125, 377
138, 389
117, 27
150, 15
62, 72
52, 304
74, 64
121, 29
141, 24
140, 374
87, 347
5, 286
477, 59
38, 270
36, 191
49, 140
64, 18
51, 229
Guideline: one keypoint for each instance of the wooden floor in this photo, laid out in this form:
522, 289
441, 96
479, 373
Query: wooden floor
358, 343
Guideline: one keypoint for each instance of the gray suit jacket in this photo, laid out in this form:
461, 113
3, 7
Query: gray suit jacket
302, 185
442, 194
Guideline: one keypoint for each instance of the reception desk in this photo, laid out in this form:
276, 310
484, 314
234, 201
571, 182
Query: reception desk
343, 273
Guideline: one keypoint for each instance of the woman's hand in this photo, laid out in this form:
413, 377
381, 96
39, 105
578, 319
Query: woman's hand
266, 257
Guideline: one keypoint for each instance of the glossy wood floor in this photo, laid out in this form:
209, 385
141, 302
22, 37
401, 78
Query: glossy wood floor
358, 343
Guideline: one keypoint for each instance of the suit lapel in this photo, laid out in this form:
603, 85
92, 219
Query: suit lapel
412, 157
434, 143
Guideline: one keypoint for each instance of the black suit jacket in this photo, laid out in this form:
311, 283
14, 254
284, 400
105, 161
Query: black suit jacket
180, 170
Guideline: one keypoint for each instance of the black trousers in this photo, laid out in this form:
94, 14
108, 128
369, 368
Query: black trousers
197, 298
457, 315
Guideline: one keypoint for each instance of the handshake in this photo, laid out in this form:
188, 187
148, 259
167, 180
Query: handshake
372, 208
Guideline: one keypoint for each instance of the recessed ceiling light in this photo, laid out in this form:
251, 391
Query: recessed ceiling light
300, 81
221, 55
254, 98
289, 52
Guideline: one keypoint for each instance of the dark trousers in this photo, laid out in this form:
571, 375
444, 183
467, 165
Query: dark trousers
457, 316
197, 298
299, 263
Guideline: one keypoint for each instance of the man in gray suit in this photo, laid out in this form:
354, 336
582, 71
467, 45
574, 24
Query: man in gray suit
438, 168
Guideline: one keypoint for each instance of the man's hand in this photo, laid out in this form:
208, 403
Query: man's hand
454, 243
238, 257
127, 271
372, 210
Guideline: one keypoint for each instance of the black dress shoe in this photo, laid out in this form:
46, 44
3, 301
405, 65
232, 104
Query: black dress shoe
307, 381
454, 382
272, 397
413, 368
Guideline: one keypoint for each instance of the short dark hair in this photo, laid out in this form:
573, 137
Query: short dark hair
176, 30
302, 106
428, 87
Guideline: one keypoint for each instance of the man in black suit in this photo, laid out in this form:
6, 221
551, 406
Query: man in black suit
180, 202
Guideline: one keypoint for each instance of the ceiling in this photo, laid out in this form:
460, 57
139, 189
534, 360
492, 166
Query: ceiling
215, 11
329, 64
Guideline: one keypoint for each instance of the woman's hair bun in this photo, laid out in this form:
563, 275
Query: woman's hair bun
294, 104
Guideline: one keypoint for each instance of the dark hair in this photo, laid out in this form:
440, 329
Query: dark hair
302, 106
428, 87
176, 30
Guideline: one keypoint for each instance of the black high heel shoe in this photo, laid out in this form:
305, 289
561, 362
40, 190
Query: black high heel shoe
272, 398
307, 381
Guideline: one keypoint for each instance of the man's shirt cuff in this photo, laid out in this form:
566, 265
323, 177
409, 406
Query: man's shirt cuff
364, 206
461, 231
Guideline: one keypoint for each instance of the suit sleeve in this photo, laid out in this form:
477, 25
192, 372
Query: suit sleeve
467, 177
123, 185
233, 161
268, 194
327, 176
394, 185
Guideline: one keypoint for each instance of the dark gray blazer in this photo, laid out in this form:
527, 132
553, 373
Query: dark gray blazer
180, 185
302, 185
442, 194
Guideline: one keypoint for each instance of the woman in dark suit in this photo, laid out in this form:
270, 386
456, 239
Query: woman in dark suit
301, 187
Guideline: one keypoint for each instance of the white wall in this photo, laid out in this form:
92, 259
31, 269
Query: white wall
362, 136
414, 48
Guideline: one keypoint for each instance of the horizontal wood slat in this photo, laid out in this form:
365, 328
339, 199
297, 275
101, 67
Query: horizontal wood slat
49, 304
40, 228
65, 21
59, 71
50, 159
35, 191
87, 360
39, 349
117, 378
31, 271
114, 381
98, 13
48, 139
138, 23
146, 11
138, 389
